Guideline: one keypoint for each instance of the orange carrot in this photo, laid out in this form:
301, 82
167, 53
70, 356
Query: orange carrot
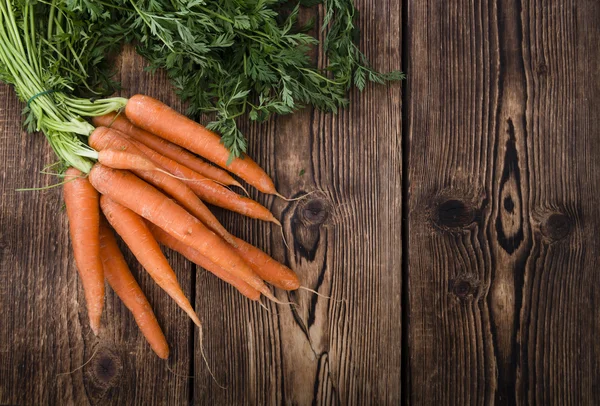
123, 283
103, 138
266, 267
159, 119
168, 149
134, 231
206, 189
191, 254
118, 159
83, 212
130, 191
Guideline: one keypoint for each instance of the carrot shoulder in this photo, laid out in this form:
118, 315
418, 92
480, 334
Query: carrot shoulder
83, 211
191, 254
125, 286
159, 119
135, 194
134, 231
168, 149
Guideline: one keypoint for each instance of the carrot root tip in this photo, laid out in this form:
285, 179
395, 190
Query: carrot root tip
206, 361
319, 294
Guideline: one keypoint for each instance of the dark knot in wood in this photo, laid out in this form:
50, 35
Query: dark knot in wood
454, 213
106, 368
556, 227
464, 287
314, 212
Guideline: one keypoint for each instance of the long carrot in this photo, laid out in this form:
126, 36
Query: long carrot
206, 189
125, 286
266, 267
168, 149
159, 119
135, 194
194, 256
134, 231
103, 138
83, 211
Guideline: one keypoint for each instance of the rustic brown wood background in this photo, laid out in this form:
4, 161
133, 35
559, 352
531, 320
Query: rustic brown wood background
455, 223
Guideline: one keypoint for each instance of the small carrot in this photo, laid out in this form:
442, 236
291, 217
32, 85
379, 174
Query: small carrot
130, 191
168, 149
121, 280
159, 119
266, 267
191, 254
103, 138
134, 231
83, 211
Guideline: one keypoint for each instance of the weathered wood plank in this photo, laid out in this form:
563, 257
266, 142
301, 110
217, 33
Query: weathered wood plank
345, 242
503, 134
558, 329
45, 333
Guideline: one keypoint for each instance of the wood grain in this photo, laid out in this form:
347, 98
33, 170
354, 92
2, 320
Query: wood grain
344, 241
503, 105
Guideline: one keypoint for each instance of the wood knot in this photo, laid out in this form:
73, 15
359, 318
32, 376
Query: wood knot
556, 226
464, 287
454, 213
106, 368
314, 212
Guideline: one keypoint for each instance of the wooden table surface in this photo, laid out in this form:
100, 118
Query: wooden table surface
455, 223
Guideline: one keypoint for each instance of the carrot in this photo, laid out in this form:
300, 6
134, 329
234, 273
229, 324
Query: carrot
159, 119
266, 267
123, 283
194, 256
210, 192
134, 231
207, 190
118, 159
103, 138
130, 191
83, 212
168, 149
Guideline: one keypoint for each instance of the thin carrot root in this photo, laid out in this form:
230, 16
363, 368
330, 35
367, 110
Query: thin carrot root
274, 299
176, 374
283, 237
288, 199
206, 361
320, 294
238, 184
78, 368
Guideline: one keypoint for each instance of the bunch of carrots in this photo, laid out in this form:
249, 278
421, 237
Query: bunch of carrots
150, 186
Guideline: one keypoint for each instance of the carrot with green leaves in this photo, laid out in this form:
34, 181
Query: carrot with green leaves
194, 256
83, 211
159, 119
130, 191
134, 231
123, 283
175, 152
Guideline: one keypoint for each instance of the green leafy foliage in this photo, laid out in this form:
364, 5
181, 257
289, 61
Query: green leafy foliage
233, 58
